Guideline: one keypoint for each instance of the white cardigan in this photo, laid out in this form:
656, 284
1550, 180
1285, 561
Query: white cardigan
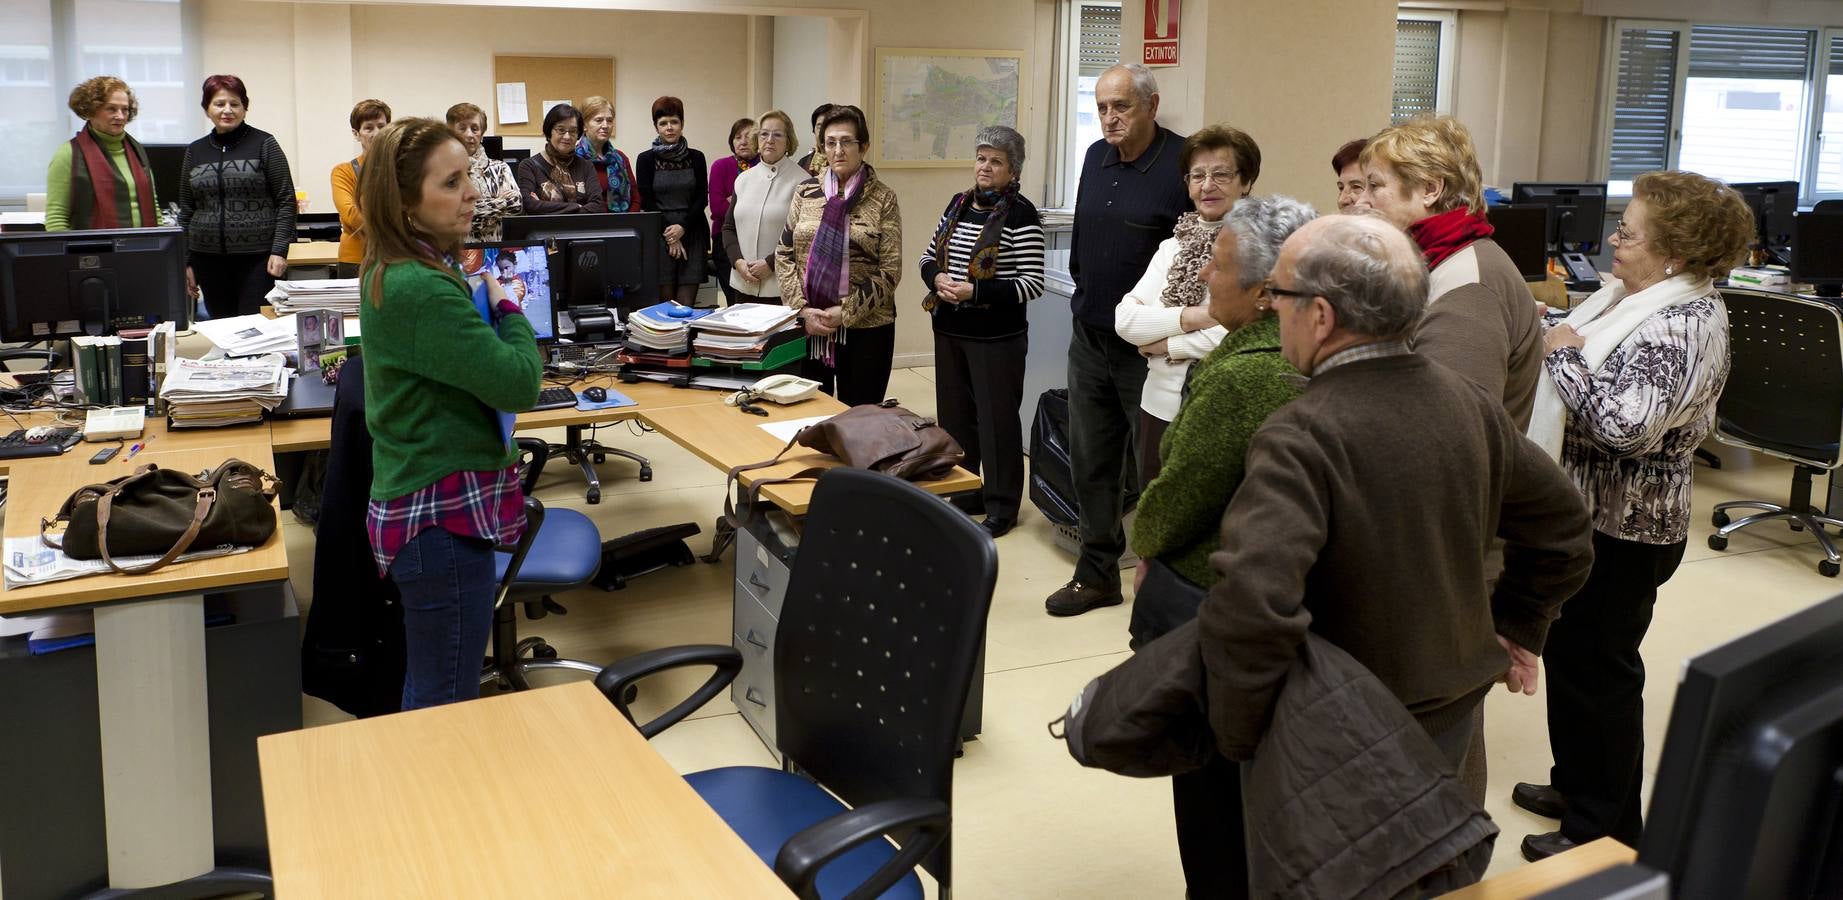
764, 194
1141, 319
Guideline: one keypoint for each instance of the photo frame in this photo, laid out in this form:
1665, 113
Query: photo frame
930, 103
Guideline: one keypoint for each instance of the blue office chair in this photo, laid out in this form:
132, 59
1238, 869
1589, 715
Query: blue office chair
883, 618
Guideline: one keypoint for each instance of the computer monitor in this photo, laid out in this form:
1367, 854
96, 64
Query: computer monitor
609, 263
316, 226
1576, 212
1749, 794
493, 145
1774, 204
166, 163
1519, 231
1817, 252
512, 156
66, 283
523, 268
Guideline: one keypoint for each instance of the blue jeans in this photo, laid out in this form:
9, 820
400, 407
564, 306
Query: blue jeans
447, 587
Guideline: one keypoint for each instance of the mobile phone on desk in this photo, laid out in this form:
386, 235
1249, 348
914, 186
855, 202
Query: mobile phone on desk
104, 455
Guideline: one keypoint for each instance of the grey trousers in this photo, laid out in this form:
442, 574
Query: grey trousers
1106, 375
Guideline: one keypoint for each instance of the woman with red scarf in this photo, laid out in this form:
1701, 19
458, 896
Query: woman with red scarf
100, 177
1481, 319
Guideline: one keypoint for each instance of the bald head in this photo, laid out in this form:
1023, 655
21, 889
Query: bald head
1126, 100
1367, 269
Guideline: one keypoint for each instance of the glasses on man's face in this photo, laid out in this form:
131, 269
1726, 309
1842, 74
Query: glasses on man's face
834, 145
1624, 235
1269, 292
1223, 177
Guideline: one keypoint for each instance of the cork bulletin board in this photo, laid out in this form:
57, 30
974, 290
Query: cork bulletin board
571, 78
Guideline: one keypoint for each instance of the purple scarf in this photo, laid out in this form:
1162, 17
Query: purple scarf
828, 259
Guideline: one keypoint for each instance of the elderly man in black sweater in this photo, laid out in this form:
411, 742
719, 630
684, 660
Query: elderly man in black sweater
1370, 503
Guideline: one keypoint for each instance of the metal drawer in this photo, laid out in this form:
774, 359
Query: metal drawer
761, 571
753, 689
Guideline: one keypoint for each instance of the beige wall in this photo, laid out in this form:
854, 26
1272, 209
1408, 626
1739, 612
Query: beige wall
1527, 85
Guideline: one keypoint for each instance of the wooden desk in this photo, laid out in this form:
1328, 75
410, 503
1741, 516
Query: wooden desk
544, 792
313, 253
1550, 873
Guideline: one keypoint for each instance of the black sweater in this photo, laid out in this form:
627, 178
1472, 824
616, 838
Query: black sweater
238, 195
679, 191
1122, 212
997, 308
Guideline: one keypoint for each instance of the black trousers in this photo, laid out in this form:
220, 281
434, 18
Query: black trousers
1596, 688
233, 283
978, 388
861, 373
1106, 376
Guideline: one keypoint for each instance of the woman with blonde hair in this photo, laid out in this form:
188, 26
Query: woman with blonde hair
100, 177
758, 210
612, 169
442, 377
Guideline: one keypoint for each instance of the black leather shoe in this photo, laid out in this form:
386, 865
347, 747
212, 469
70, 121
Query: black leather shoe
1075, 598
1542, 846
997, 527
1540, 799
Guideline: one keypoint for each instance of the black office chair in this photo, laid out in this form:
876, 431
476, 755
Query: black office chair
1784, 398
51, 358
883, 617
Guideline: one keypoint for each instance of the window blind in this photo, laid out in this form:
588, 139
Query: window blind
1643, 102
1836, 54
1725, 51
1100, 38
1417, 69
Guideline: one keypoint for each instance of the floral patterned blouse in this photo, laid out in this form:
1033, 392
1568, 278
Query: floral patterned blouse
1633, 426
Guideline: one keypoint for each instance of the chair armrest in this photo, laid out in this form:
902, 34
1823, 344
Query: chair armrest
800, 859
530, 469
534, 520
617, 676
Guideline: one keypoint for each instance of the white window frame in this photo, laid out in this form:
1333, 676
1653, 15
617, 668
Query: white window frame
1061, 180
1449, 53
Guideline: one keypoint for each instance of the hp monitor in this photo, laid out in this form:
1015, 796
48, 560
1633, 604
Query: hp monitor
63, 284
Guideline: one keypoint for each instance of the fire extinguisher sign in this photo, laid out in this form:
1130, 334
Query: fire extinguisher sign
1161, 18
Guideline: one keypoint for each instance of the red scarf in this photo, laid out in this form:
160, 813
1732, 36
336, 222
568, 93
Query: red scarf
1448, 233
106, 204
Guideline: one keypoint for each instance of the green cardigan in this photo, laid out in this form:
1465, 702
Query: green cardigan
1231, 392
434, 374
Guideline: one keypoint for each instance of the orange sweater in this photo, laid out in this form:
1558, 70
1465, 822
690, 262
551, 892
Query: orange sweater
345, 200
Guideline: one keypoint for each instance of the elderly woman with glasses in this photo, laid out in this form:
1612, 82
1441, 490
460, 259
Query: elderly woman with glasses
758, 210
1166, 315
555, 181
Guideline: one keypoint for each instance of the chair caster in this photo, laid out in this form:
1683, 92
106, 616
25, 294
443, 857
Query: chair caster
1719, 519
595, 495
601, 458
1827, 568
536, 648
1717, 542
646, 473
1796, 525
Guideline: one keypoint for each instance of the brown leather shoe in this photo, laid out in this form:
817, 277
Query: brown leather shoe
1075, 598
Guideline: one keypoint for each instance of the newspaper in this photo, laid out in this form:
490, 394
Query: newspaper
340, 294
249, 335
30, 561
258, 378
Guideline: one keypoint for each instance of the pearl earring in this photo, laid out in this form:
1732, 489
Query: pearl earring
1669, 270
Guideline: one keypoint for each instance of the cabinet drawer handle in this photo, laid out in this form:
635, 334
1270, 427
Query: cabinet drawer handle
756, 579
755, 697
751, 638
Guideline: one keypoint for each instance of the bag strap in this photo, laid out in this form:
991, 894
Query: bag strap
89, 492
729, 490
206, 497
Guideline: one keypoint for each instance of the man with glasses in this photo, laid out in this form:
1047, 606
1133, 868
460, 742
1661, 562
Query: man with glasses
1131, 193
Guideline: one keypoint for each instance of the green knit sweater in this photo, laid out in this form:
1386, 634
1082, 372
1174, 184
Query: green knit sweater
1231, 392
434, 374
57, 182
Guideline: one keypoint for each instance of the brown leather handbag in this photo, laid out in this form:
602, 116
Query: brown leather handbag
882, 437
166, 512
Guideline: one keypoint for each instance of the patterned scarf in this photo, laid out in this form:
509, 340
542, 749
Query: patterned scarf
619, 188
559, 174
1194, 237
743, 165
1448, 233
983, 264
676, 152
828, 259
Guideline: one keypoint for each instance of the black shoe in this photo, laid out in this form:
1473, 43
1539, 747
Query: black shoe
971, 504
1540, 799
1542, 846
997, 527
1075, 598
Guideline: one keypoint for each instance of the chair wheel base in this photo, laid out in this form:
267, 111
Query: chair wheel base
1827, 568
1717, 542
1719, 519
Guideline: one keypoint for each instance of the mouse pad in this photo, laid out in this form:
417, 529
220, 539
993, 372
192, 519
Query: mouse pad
615, 399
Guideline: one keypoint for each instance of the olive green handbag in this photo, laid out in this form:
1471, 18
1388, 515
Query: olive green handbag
166, 512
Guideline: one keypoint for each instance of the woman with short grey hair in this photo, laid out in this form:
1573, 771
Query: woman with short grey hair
984, 264
1229, 393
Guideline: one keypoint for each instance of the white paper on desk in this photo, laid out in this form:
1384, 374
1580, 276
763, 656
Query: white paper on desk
30, 561
249, 335
512, 107
785, 431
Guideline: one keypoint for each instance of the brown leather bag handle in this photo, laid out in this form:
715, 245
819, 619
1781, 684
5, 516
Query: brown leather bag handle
206, 498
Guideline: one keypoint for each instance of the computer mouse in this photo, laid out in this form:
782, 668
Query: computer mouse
679, 312
37, 434
596, 394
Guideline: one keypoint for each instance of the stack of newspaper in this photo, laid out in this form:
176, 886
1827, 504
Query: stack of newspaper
328, 293
249, 335
206, 393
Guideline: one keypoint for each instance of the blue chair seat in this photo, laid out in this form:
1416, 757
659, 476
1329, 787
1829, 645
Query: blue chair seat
566, 554
765, 807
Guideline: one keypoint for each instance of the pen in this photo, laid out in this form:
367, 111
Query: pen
133, 450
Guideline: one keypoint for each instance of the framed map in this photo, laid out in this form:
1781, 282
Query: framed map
931, 103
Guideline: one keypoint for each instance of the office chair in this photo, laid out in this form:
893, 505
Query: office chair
51, 358
586, 454
560, 550
1784, 398
884, 615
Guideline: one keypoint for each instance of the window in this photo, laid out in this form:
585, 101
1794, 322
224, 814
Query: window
1423, 64
1091, 43
1829, 175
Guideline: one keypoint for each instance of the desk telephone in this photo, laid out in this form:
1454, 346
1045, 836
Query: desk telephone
784, 389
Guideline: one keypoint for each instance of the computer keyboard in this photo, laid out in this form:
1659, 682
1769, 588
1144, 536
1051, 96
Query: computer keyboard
554, 398
57, 440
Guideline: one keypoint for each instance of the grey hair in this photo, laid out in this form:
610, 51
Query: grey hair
1261, 225
1005, 140
1145, 84
1371, 274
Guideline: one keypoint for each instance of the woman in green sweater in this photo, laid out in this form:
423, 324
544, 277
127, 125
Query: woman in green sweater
443, 375
100, 177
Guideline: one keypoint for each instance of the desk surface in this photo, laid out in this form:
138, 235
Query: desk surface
313, 253
544, 792
38, 487
1550, 873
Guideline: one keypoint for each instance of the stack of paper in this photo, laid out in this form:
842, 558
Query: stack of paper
328, 293
745, 332
205, 393
250, 335
663, 328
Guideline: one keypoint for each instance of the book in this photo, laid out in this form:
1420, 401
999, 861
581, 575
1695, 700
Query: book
134, 370
162, 344
84, 360
109, 370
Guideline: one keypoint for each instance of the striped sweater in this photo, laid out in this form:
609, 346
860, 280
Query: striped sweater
997, 308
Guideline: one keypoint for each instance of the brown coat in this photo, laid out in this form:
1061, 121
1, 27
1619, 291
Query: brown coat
1482, 322
875, 248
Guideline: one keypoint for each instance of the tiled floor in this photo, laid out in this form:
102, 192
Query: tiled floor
1028, 821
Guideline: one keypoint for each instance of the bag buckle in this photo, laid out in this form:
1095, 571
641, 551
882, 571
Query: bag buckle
209, 493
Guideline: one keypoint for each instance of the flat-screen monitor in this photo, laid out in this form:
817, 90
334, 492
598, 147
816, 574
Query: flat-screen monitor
493, 145
1519, 231
608, 261
316, 226
523, 269
1576, 212
167, 162
62, 284
1749, 795
1774, 204
512, 156
1817, 252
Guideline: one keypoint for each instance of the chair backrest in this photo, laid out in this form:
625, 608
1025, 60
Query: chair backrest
884, 614
1785, 390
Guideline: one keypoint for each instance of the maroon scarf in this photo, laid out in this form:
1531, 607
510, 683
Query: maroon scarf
100, 194
1443, 235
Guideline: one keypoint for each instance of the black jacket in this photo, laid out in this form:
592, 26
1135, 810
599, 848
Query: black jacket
237, 195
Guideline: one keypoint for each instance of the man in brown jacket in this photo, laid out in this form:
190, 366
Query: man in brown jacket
1370, 503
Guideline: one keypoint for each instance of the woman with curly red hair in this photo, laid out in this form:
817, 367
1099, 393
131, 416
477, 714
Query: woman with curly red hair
100, 177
